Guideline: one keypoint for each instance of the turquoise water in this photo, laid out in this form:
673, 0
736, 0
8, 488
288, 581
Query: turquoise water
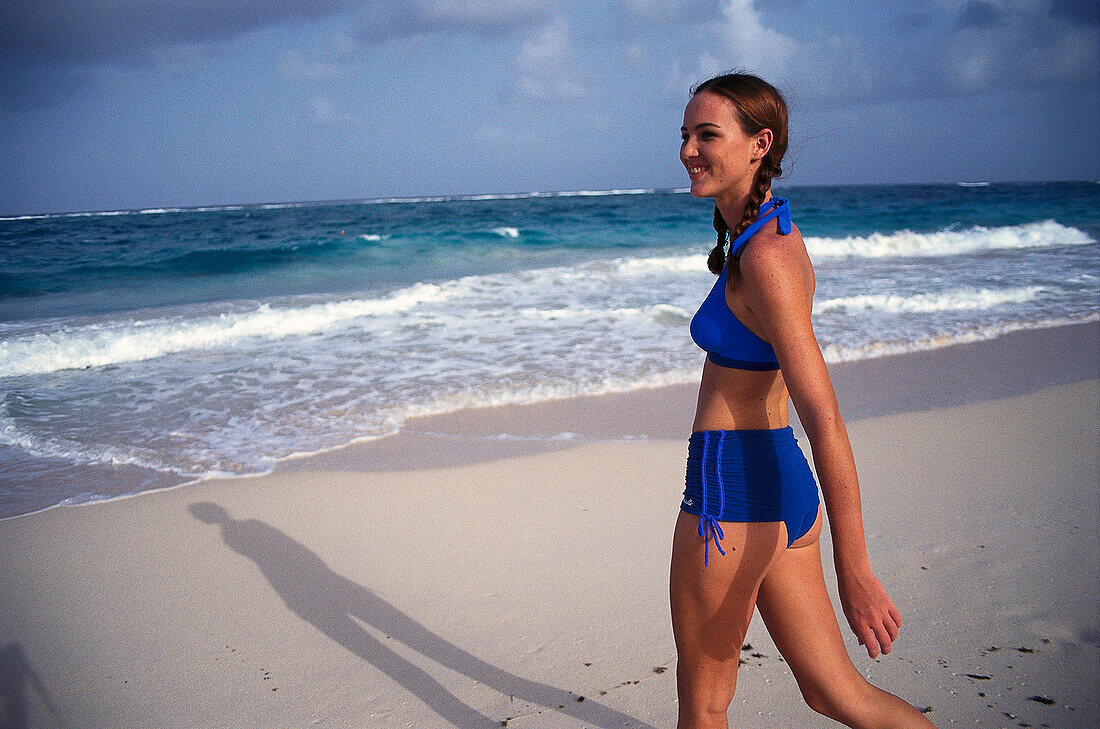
140, 349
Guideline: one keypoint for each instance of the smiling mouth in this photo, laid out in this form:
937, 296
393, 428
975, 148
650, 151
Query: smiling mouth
696, 171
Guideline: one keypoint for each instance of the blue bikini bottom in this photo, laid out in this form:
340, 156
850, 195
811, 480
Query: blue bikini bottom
750, 475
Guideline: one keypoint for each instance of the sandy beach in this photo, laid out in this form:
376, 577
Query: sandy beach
451, 577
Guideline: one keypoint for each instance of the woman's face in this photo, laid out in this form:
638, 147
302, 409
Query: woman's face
720, 158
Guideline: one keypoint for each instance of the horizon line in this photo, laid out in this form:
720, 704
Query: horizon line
481, 197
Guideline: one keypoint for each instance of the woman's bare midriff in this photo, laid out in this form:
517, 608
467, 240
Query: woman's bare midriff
732, 399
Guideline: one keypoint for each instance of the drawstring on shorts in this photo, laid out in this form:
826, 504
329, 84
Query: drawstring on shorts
708, 525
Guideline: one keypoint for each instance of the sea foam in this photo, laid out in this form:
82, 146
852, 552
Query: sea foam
96, 345
949, 242
953, 300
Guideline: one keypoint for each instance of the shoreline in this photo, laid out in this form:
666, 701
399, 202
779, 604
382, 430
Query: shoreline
1014, 363
506, 590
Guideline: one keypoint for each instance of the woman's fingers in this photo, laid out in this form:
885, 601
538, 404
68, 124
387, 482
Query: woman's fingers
882, 633
895, 614
891, 628
876, 634
868, 639
886, 627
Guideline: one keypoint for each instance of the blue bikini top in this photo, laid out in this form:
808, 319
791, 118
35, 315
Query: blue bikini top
728, 342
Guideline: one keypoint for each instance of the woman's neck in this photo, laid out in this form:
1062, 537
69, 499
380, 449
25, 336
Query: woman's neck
732, 206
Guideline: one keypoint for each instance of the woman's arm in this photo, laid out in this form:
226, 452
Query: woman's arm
776, 282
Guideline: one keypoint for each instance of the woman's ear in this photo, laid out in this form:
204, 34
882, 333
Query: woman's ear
761, 143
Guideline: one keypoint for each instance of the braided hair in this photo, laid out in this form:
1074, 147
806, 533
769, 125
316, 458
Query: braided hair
759, 106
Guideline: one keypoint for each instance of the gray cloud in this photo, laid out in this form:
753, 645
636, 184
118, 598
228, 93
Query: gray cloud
334, 60
380, 21
545, 65
111, 31
1084, 11
913, 21
36, 87
945, 50
49, 50
668, 12
979, 14
105, 31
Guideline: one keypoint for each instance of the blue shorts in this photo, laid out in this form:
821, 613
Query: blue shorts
750, 475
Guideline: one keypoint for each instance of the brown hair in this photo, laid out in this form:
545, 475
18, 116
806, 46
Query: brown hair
759, 106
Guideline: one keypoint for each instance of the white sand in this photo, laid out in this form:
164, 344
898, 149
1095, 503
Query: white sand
470, 595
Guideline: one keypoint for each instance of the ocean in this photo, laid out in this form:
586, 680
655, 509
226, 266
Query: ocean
146, 348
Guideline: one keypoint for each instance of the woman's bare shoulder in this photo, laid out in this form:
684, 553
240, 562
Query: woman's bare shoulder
770, 253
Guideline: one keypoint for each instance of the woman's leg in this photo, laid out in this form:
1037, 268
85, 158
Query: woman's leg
711, 608
796, 609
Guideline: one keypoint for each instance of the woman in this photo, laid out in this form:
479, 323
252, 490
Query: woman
750, 536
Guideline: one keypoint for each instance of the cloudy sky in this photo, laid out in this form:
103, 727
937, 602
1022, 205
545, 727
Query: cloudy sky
111, 104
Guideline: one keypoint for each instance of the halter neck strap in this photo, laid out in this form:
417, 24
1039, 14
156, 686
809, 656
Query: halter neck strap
778, 208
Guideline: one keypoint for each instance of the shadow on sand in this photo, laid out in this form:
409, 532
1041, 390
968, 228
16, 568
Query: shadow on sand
16, 675
333, 604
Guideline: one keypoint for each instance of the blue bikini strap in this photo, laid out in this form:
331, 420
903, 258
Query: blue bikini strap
778, 208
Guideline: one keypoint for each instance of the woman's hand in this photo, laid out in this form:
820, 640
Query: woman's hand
869, 610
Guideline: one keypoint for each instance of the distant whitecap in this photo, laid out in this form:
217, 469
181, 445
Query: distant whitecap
949, 242
953, 300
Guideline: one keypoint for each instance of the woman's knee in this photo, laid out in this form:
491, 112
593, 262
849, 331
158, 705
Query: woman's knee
841, 701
